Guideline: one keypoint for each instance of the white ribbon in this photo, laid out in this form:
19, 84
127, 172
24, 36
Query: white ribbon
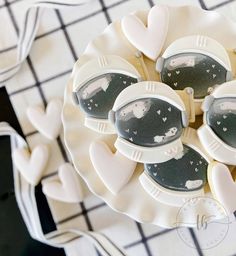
29, 29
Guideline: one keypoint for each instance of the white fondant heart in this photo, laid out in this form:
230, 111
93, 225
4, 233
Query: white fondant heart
31, 166
115, 170
222, 186
48, 123
67, 189
150, 39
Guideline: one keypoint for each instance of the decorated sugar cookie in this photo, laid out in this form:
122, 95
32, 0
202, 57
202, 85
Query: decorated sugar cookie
103, 158
218, 133
96, 86
149, 118
150, 38
66, 187
223, 186
47, 122
182, 177
195, 61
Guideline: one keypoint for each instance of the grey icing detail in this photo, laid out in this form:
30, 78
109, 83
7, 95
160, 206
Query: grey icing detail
207, 103
194, 70
159, 64
98, 95
111, 116
221, 117
151, 122
189, 90
229, 76
75, 98
187, 172
185, 119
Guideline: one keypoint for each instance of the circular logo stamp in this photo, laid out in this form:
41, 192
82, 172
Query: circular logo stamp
208, 219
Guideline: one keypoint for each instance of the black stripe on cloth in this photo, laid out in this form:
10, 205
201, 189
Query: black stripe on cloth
59, 3
221, 4
41, 82
88, 234
196, 243
144, 240
7, 4
151, 3
8, 49
22, 38
33, 30
81, 213
117, 248
148, 238
78, 236
108, 18
203, 5
10, 69
19, 178
21, 42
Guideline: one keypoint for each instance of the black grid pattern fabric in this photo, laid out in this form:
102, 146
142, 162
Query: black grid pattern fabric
62, 37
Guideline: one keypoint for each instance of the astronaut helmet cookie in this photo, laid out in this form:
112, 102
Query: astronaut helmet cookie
149, 118
196, 61
218, 132
96, 85
181, 178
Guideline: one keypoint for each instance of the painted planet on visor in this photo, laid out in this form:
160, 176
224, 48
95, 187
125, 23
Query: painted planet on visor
221, 117
186, 172
194, 70
149, 122
97, 96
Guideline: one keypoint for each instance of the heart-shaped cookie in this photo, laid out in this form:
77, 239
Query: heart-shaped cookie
31, 166
47, 122
222, 185
67, 188
114, 170
150, 39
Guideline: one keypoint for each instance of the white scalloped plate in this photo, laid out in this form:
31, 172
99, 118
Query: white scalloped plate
132, 200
